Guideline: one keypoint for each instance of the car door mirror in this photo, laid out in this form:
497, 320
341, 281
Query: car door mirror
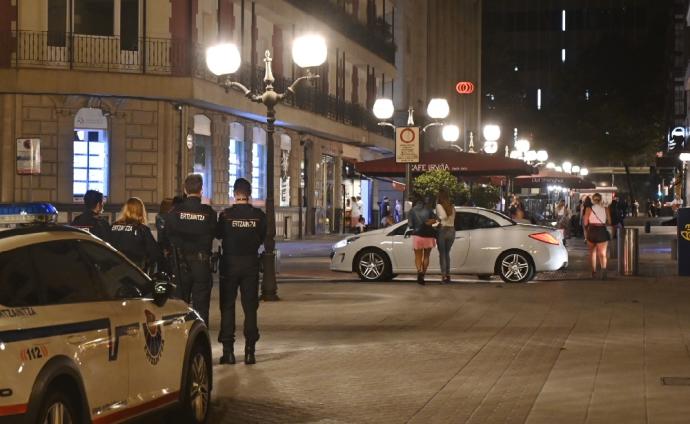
408, 233
162, 290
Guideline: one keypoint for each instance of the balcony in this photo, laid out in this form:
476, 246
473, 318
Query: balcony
156, 56
376, 35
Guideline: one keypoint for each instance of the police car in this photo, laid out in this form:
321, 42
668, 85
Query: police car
86, 336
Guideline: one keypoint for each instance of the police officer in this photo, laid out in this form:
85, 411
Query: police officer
190, 227
131, 235
91, 220
242, 228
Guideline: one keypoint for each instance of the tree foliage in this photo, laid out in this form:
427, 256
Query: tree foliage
485, 195
429, 184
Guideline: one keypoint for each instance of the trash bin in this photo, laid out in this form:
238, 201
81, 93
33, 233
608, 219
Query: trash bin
628, 251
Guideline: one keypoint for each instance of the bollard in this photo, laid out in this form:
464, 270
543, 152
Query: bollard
628, 251
647, 227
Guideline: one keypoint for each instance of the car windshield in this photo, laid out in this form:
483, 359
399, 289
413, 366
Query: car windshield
502, 215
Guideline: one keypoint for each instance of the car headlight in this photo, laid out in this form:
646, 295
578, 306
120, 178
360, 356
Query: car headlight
344, 242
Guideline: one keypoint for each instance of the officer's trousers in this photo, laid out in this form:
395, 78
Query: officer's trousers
195, 284
242, 272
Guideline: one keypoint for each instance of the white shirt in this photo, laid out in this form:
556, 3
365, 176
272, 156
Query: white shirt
355, 209
446, 220
598, 214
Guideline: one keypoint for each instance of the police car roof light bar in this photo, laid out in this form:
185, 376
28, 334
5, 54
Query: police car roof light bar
27, 213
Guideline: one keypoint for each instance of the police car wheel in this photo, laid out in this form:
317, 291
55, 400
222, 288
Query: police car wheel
197, 396
373, 265
58, 407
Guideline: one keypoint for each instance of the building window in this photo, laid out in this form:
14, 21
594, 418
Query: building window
129, 25
90, 161
57, 23
258, 171
235, 162
94, 17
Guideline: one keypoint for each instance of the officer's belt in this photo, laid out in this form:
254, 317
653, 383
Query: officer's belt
198, 256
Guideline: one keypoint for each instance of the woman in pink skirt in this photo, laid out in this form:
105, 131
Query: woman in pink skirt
421, 222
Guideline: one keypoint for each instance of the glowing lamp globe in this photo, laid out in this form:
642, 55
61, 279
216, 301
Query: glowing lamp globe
550, 165
567, 167
492, 132
576, 169
309, 50
531, 156
584, 172
490, 147
542, 155
223, 59
522, 145
383, 109
450, 133
684, 157
558, 169
438, 109
514, 154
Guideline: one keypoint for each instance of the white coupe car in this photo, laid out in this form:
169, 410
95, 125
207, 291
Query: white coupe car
486, 243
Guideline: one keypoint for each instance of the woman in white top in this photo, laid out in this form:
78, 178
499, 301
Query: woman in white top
355, 212
445, 211
596, 218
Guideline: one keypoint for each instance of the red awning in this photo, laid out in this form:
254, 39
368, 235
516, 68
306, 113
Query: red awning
456, 162
547, 177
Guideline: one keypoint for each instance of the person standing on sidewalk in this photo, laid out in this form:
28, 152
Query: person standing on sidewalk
91, 220
190, 227
242, 229
421, 222
131, 235
445, 211
596, 219
355, 213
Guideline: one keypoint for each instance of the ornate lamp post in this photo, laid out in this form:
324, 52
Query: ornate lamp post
437, 110
223, 60
491, 134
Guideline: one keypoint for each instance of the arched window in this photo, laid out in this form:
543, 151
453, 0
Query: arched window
90, 160
236, 156
258, 163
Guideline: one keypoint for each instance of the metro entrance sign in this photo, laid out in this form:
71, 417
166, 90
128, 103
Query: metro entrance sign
407, 145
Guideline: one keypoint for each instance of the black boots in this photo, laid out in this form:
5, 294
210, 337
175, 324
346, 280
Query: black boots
420, 279
228, 356
249, 358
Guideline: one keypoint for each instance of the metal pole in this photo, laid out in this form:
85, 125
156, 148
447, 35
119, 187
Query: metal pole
269, 287
408, 186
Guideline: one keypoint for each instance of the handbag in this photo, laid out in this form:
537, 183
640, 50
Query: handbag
425, 230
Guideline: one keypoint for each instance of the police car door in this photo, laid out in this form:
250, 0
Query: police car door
58, 314
157, 355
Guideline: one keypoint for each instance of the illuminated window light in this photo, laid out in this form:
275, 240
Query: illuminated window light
539, 99
563, 20
563, 55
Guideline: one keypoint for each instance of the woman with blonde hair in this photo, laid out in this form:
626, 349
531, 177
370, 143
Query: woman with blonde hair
596, 218
445, 211
132, 236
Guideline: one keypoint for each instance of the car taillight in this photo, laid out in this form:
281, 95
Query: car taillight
545, 238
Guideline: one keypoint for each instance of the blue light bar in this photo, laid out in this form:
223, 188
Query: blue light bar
27, 213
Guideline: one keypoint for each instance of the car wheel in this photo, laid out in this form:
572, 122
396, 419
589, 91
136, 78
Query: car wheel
515, 267
197, 395
373, 265
58, 407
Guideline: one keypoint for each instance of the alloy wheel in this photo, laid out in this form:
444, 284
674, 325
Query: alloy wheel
58, 413
371, 265
515, 267
199, 387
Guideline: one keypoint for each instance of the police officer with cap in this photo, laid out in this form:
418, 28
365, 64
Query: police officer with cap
190, 227
242, 228
91, 220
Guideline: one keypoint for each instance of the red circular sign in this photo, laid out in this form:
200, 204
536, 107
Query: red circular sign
407, 135
464, 87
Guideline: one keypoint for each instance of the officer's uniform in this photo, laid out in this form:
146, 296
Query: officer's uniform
137, 243
190, 228
94, 224
243, 230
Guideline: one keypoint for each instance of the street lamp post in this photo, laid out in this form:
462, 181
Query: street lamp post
491, 134
223, 60
437, 110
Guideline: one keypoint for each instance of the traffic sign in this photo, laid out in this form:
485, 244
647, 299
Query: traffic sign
407, 145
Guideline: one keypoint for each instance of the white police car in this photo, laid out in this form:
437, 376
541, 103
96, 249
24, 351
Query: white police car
86, 336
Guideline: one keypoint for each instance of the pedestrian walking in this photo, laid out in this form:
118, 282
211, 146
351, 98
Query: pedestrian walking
91, 219
397, 211
355, 213
130, 234
586, 205
597, 217
445, 211
636, 208
385, 208
617, 217
191, 227
242, 229
421, 222
563, 218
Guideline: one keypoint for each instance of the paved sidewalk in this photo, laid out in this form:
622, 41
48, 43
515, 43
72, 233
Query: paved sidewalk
546, 352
